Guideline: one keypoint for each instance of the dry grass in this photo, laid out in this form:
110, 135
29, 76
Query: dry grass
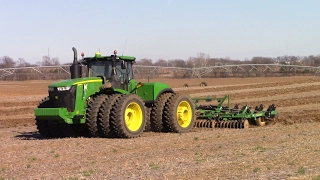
271, 152
286, 150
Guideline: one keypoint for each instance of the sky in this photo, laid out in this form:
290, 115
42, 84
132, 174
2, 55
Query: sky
159, 29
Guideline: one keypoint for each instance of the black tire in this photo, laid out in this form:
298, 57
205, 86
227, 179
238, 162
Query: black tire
55, 130
157, 115
182, 106
92, 114
71, 130
43, 128
104, 116
128, 116
43, 125
148, 122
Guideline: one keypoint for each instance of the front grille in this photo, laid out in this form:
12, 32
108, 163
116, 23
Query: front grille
63, 99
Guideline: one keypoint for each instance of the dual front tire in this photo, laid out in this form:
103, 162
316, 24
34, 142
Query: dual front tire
116, 116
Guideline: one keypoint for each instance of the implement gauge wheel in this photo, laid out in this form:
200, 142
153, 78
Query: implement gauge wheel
179, 114
202, 84
128, 116
260, 121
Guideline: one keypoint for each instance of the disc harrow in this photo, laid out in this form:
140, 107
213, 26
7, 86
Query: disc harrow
236, 124
222, 115
205, 124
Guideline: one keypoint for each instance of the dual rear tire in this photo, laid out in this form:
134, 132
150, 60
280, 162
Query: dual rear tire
173, 113
126, 116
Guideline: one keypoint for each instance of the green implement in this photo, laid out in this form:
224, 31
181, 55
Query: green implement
223, 116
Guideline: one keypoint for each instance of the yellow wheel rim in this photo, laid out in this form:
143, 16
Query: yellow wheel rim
184, 114
133, 116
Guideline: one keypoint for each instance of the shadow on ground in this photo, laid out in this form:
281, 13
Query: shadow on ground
32, 135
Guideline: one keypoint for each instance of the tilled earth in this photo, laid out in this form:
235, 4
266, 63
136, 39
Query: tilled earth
287, 150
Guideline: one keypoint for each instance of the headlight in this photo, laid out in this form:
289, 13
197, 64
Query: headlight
51, 89
63, 88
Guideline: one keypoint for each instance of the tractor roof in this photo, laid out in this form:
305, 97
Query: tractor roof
98, 57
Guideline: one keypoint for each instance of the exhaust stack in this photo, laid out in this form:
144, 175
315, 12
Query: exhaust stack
75, 68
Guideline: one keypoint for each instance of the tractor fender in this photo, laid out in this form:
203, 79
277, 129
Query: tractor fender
167, 90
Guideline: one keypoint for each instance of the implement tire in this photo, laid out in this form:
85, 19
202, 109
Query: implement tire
128, 116
104, 116
260, 121
92, 114
157, 115
203, 84
179, 114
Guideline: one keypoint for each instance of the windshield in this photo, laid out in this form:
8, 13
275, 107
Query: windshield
104, 68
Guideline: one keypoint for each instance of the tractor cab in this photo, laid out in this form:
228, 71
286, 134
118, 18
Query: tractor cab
117, 70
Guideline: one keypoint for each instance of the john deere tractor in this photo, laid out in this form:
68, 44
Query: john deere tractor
102, 99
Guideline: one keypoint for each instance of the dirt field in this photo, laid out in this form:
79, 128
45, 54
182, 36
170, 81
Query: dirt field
287, 150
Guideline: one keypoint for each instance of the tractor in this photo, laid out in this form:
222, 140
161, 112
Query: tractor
102, 99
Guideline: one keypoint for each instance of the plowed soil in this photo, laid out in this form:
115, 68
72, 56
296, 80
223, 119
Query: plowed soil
288, 149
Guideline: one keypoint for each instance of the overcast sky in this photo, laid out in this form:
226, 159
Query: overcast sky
159, 29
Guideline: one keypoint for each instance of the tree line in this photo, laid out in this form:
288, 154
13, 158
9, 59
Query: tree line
201, 60
204, 60
8, 62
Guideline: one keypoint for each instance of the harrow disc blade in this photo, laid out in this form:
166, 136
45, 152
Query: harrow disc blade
212, 124
229, 124
204, 123
233, 124
224, 124
245, 124
239, 124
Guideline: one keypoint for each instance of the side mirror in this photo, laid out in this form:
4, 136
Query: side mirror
124, 65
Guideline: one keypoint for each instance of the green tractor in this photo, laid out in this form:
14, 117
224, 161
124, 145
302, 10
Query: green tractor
102, 99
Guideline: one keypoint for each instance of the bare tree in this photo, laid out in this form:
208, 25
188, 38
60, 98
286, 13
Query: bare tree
200, 61
262, 60
179, 63
145, 62
7, 62
22, 63
161, 62
47, 61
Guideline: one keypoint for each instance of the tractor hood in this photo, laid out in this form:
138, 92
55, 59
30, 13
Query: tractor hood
71, 82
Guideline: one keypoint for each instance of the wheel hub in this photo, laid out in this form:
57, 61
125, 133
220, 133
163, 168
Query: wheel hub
133, 116
184, 114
